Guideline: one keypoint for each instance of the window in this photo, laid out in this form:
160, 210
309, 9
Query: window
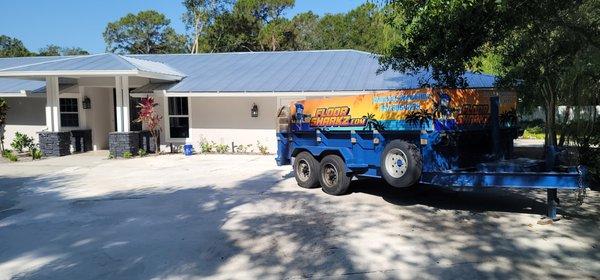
179, 120
69, 115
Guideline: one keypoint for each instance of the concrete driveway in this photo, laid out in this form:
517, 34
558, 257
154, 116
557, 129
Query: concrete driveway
240, 217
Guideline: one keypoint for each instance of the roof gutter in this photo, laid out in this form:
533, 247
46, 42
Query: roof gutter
262, 93
276, 93
22, 93
89, 73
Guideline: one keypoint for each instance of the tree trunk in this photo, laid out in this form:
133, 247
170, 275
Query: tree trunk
564, 126
1, 138
550, 139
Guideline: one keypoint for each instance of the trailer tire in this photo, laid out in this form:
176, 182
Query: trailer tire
333, 177
401, 164
306, 170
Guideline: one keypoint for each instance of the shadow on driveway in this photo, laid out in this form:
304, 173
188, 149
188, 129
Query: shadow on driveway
258, 230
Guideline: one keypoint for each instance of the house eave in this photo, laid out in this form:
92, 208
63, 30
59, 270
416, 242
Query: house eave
88, 73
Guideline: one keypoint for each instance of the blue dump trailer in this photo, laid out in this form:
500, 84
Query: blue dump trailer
452, 138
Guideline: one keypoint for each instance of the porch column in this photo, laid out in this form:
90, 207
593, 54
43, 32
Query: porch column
82, 112
122, 95
53, 143
126, 117
52, 105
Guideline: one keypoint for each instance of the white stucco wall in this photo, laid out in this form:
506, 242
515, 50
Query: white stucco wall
227, 119
100, 118
26, 115
222, 120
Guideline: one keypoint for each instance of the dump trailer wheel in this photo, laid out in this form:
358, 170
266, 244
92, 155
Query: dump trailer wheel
306, 170
333, 177
401, 164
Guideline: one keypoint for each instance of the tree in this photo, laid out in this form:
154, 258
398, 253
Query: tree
231, 32
12, 47
537, 41
264, 11
278, 34
241, 29
259, 25
54, 50
362, 28
199, 15
50, 50
305, 25
74, 51
331, 32
3, 112
365, 28
143, 33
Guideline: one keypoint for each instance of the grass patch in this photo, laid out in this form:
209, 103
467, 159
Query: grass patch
532, 134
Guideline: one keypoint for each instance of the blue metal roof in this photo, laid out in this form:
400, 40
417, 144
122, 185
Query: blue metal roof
292, 71
289, 71
9, 85
96, 62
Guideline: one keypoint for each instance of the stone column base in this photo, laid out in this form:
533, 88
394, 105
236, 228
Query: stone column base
55, 144
121, 142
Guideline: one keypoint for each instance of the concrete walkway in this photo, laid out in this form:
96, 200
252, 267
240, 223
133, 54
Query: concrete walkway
241, 217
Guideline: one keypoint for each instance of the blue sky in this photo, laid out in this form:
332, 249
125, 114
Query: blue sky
79, 23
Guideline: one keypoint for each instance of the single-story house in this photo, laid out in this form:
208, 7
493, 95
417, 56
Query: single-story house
220, 97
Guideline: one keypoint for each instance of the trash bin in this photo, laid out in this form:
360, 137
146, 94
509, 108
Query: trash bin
188, 149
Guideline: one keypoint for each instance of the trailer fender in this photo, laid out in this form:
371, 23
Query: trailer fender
319, 152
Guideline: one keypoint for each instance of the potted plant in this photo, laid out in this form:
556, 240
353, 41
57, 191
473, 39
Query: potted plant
149, 116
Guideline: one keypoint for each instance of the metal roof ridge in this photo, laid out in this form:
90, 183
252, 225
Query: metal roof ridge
126, 59
250, 52
123, 60
59, 59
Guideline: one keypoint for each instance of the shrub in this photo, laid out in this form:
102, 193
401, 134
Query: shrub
262, 148
36, 153
127, 154
21, 141
243, 148
222, 148
8, 154
12, 157
207, 147
142, 153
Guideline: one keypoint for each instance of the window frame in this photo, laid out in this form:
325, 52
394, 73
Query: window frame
169, 116
71, 113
